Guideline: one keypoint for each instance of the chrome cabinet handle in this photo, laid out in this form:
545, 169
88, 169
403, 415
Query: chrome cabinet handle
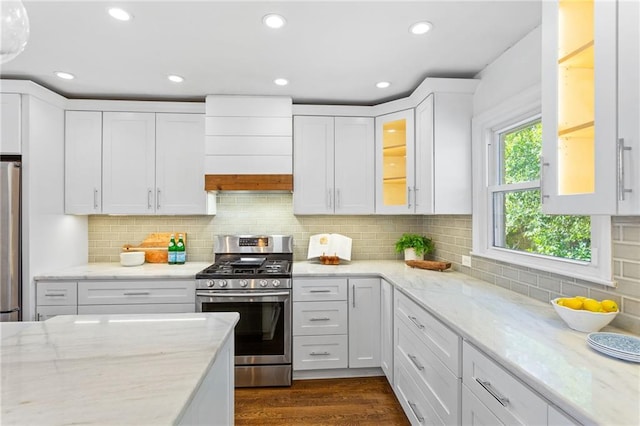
319, 353
494, 393
329, 198
415, 196
416, 413
95, 198
136, 293
149, 194
55, 294
621, 189
353, 296
415, 321
408, 197
320, 291
415, 362
543, 164
320, 319
337, 198
158, 199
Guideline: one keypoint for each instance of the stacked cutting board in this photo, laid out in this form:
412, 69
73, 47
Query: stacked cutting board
155, 246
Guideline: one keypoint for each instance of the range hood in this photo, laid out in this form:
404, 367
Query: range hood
248, 143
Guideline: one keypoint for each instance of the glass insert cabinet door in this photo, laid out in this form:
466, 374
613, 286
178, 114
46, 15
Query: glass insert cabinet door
579, 107
395, 157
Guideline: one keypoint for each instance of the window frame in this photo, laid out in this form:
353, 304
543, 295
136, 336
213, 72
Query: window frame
520, 109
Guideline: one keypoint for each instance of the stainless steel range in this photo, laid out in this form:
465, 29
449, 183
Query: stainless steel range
252, 275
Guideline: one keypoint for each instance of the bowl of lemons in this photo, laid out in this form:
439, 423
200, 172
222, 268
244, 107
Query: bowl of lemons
585, 314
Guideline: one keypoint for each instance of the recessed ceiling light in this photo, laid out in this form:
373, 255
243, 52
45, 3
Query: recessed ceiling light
281, 81
175, 78
64, 75
420, 28
119, 14
383, 84
273, 20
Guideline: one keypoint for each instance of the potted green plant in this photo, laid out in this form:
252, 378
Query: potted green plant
414, 246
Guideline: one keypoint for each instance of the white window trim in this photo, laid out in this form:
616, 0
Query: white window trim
484, 126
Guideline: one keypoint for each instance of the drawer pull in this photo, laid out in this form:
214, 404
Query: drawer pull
415, 411
320, 291
55, 294
136, 293
415, 362
319, 353
494, 393
415, 321
320, 319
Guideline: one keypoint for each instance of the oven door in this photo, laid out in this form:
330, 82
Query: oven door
263, 334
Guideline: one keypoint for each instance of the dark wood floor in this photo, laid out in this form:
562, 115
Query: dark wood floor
354, 401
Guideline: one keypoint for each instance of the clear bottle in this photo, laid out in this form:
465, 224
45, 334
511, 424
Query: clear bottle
171, 256
181, 251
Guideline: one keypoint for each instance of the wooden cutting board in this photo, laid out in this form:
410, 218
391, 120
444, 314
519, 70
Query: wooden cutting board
428, 264
155, 246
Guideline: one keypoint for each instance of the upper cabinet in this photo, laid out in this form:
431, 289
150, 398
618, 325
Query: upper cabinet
590, 95
134, 163
10, 139
334, 165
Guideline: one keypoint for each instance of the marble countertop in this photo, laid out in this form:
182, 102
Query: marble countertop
105, 271
101, 369
526, 336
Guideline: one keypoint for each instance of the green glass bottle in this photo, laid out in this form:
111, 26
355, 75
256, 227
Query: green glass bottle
171, 257
181, 251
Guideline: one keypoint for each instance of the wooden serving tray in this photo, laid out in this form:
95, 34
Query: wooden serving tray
155, 246
428, 264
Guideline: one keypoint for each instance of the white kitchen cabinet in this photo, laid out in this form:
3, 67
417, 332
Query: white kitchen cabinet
579, 103
126, 292
475, 413
83, 162
10, 124
333, 165
442, 182
135, 163
395, 163
386, 328
56, 298
364, 322
43, 313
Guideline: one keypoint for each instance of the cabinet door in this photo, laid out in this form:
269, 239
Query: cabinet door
10, 134
395, 163
475, 413
83, 162
386, 344
43, 313
354, 165
128, 163
629, 107
180, 164
579, 107
313, 150
364, 322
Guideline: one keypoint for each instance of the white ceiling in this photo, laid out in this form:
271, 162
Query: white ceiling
332, 52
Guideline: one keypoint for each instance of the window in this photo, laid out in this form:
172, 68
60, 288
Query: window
508, 223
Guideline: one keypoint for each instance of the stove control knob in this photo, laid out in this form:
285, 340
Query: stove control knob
276, 283
263, 283
210, 283
244, 283
222, 283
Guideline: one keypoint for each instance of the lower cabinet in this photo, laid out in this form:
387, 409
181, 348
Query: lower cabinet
364, 322
56, 298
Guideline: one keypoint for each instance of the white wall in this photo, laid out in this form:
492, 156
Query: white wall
51, 239
517, 69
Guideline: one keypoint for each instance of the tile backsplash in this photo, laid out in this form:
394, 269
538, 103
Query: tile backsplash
374, 238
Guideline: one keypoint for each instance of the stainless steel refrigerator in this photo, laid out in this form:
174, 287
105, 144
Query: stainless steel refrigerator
10, 239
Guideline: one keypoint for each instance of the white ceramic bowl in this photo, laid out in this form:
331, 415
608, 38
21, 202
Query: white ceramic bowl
581, 320
132, 258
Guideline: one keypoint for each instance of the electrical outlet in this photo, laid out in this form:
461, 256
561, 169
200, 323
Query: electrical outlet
466, 261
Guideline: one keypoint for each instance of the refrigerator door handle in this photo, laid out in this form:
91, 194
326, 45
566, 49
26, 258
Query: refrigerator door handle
10, 311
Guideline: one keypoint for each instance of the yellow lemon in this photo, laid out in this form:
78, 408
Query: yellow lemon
561, 301
609, 305
592, 305
573, 303
580, 297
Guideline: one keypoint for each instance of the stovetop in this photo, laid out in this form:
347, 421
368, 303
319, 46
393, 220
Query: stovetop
243, 266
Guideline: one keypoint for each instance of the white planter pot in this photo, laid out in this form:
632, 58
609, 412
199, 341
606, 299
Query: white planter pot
410, 254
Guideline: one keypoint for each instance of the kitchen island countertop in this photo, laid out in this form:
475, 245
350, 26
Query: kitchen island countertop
108, 369
524, 335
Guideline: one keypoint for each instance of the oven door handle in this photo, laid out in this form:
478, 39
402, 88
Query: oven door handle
254, 294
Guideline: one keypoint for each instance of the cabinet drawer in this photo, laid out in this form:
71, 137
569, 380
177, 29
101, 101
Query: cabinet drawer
320, 352
313, 318
443, 342
319, 289
511, 401
437, 383
135, 292
474, 412
55, 293
165, 308
414, 403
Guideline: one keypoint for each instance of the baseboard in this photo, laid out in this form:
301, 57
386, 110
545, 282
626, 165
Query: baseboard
339, 373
